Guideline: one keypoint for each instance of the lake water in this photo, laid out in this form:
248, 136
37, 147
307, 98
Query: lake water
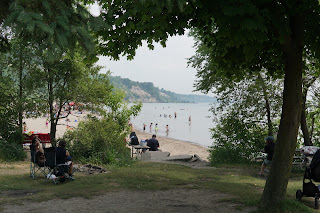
196, 131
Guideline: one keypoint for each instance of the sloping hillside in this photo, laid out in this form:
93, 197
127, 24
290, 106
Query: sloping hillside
148, 93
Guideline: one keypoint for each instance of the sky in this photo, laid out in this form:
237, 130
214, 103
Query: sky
166, 68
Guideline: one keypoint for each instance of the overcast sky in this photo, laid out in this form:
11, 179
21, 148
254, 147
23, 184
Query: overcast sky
165, 67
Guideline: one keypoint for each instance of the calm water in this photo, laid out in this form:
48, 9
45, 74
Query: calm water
196, 131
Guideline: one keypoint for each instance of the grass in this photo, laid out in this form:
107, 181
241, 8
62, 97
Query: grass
240, 181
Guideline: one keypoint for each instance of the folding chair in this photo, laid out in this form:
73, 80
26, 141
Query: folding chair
55, 171
36, 168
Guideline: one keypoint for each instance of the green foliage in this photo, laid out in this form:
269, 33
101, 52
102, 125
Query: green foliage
134, 21
11, 151
8, 111
241, 116
102, 140
54, 27
99, 141
236, 141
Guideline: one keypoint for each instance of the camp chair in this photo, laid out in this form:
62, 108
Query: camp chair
55, 171
50, 163
36, 168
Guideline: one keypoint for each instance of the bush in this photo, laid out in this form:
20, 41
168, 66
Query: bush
10, 151
99, 141
236, 141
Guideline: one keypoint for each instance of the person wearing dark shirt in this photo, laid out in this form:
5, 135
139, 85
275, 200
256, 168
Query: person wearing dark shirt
133, 137
153, 143
269, 149
63, 156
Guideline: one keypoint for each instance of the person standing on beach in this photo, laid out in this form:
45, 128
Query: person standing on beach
175, 115
150, 127
156, 127
153, 143
25, 128
144, 127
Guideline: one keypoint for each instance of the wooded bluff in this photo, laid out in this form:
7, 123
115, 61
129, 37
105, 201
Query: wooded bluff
148, 93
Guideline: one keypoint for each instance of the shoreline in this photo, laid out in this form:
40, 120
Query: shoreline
171, 138
174, 146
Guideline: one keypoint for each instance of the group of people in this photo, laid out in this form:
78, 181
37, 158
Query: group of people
165, 115
156, 128
62, 155
153, 143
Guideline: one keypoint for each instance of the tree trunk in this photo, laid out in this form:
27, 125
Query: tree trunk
277, 181
304, 126
20, 108
267, 105
53, 125
312, 127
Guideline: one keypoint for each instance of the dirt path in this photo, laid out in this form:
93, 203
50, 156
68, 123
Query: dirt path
177, 200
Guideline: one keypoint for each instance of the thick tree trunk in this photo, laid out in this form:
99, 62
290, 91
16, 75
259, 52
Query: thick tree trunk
277, 181
304, 126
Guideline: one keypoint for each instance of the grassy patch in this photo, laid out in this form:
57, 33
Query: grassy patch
240, 181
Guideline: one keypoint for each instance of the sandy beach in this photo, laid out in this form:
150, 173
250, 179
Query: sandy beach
175, 147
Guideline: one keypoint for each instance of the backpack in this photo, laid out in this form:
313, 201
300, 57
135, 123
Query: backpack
134, 140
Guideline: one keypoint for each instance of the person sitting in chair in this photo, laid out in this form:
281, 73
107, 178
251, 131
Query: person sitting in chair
37, 146
63, 156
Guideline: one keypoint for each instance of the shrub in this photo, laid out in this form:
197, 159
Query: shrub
10, 151
99, 141
236, 141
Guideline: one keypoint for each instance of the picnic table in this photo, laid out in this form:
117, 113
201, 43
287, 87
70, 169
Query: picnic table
139, 148
299, 160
